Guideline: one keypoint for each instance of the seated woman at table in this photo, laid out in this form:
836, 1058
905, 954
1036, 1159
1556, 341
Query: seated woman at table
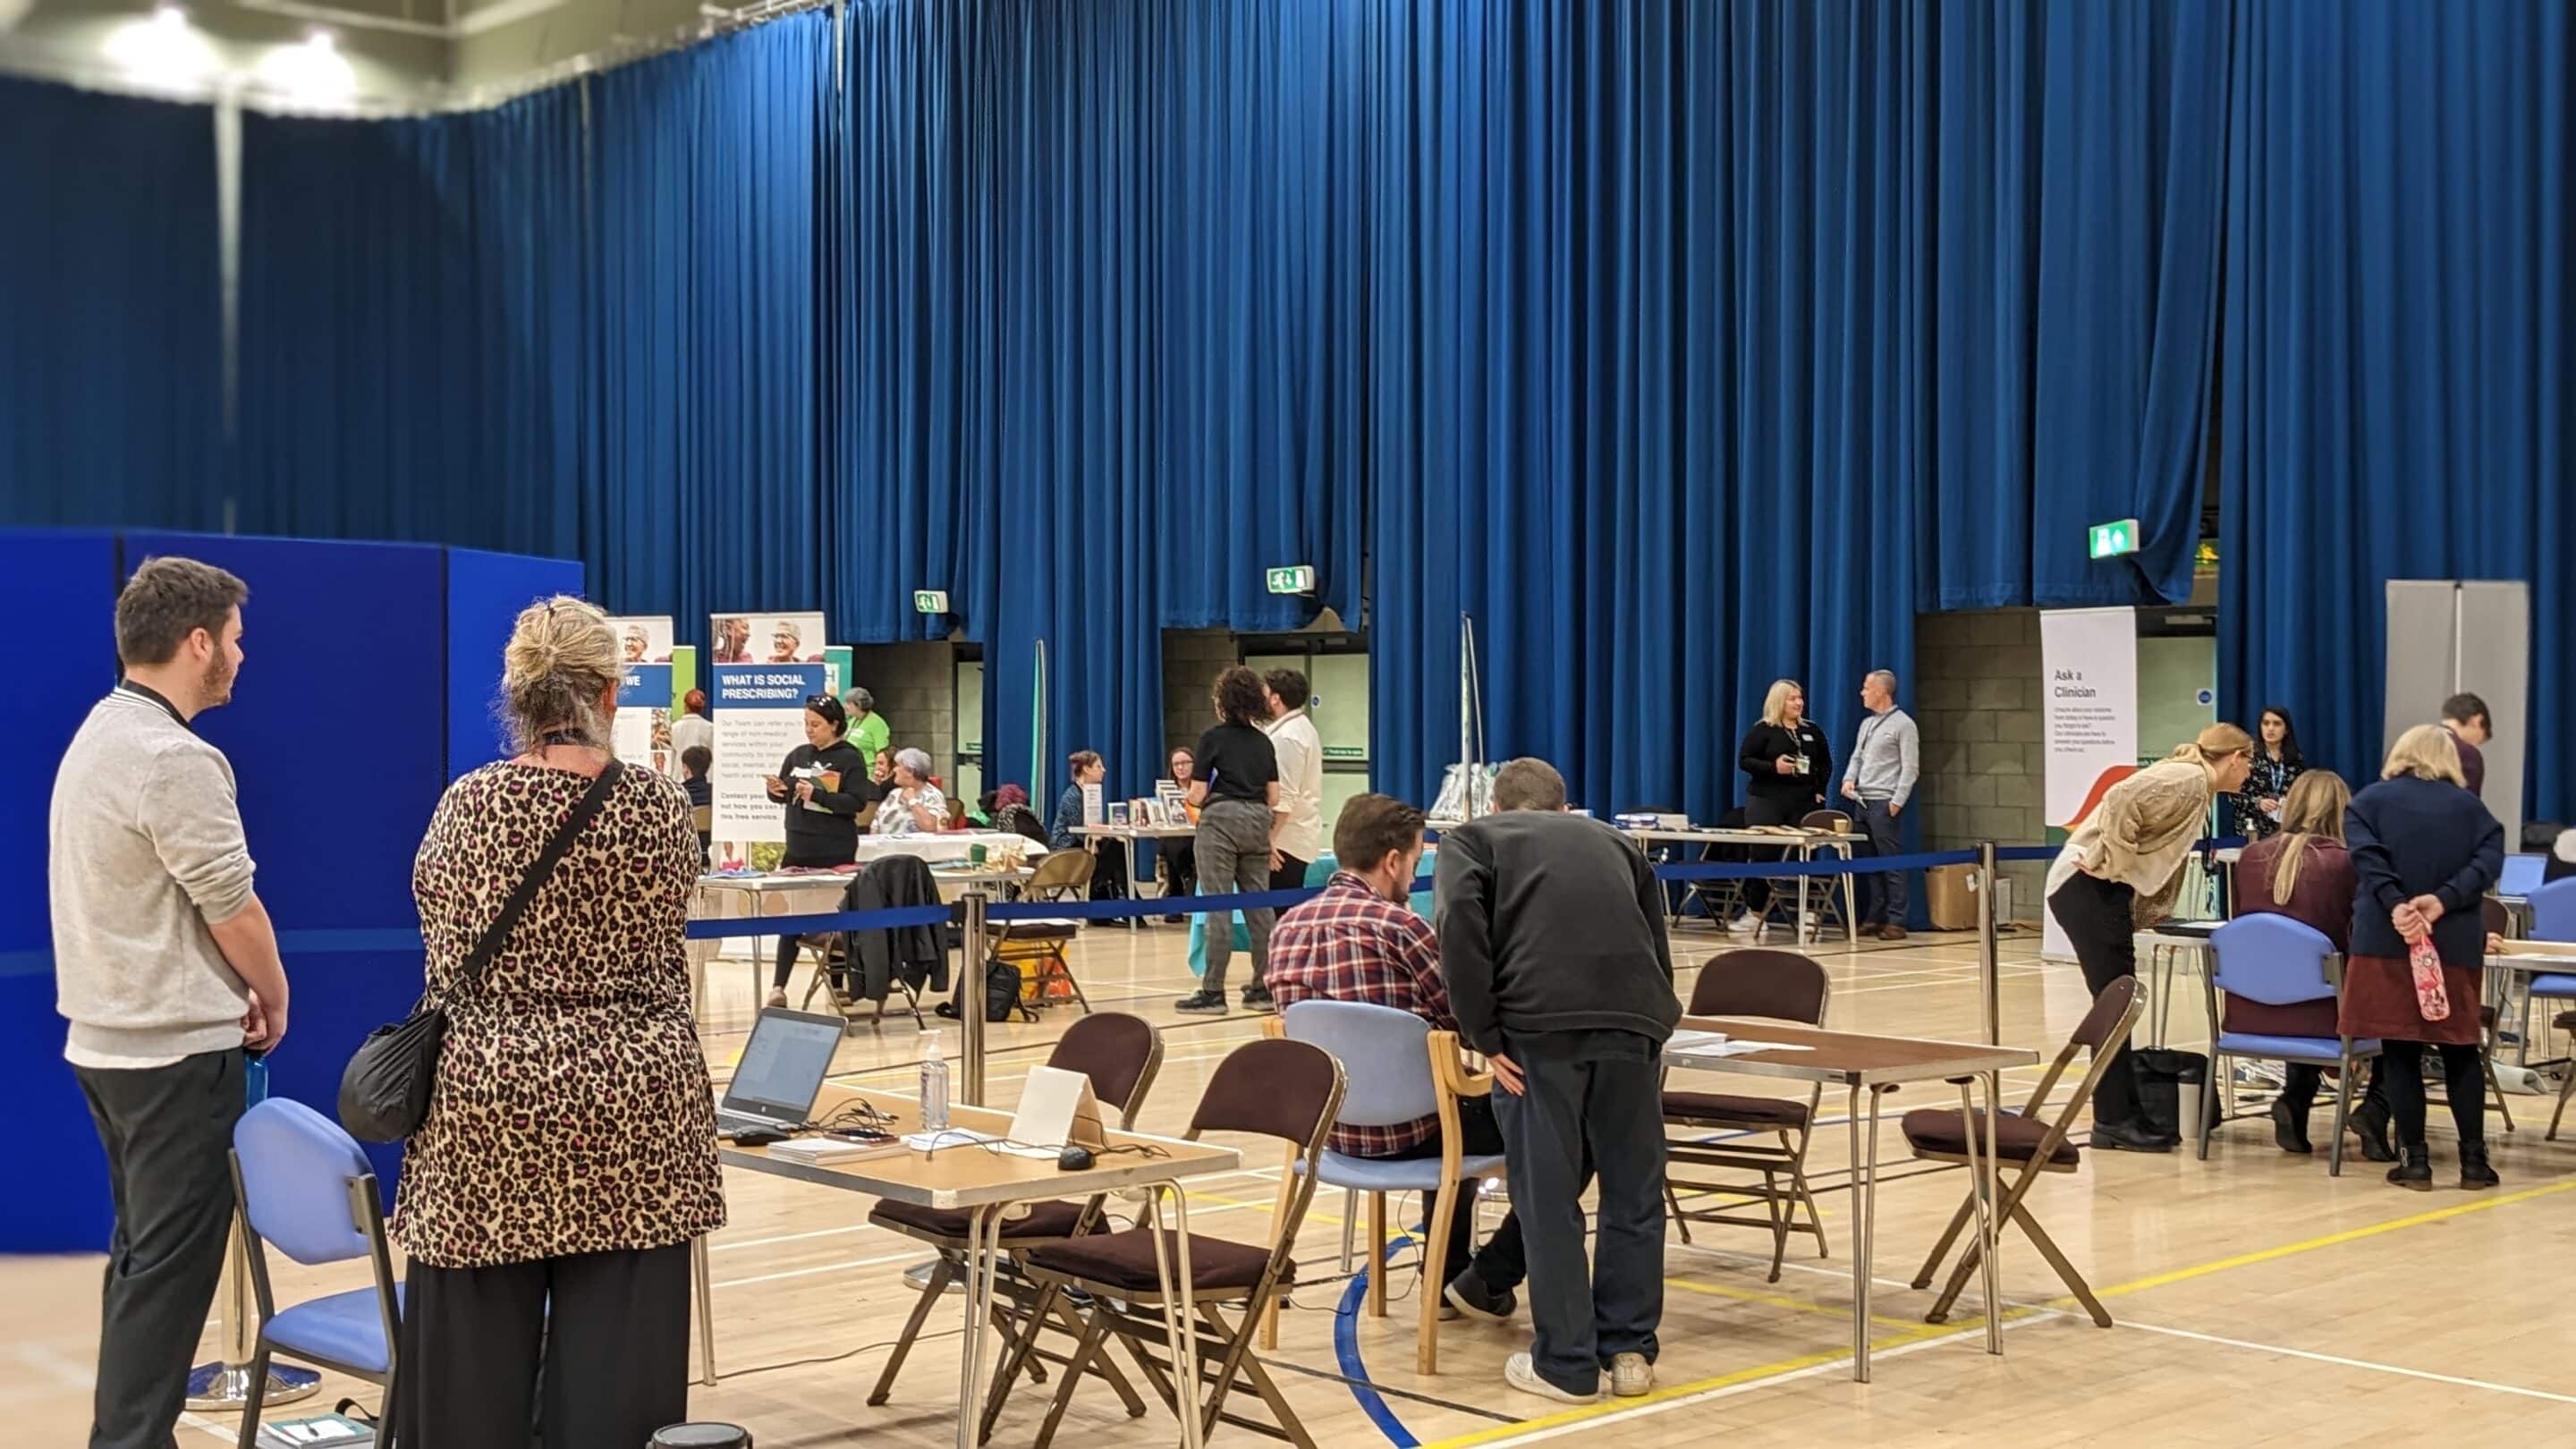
823, 792
912, 804
1109, 864
2305, 873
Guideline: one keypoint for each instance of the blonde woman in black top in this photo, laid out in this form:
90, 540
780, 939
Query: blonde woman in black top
1786, 764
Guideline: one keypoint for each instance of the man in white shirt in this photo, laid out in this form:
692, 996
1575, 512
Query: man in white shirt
1301, 780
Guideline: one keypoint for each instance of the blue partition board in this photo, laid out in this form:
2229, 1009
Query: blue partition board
64, 585
485, 592
337, 737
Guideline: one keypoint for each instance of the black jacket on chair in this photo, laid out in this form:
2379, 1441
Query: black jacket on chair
916, 954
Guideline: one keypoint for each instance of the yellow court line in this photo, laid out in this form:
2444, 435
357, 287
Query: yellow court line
2348, 1235
1806, 1361
1781, 1300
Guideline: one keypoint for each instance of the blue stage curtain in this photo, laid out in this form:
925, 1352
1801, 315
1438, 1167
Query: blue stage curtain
1249, 112
1744, 226
2074, 160
111, 325
2398, 395
531, 241
706, 164
359, 350
909, 336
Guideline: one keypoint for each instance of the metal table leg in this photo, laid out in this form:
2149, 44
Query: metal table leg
983, 1259
1864, 1221
1982, 1187
706, 1311
1180, 1309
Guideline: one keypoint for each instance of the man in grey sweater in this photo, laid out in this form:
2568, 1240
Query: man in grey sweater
167, 968
1880, 779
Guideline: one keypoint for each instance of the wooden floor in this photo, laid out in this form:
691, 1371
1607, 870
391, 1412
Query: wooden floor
2258, 1299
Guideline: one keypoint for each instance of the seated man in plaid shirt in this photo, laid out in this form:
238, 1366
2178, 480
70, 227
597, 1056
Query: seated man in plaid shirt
1360, 941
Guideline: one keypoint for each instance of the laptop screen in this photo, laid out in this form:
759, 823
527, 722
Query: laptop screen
783, 1065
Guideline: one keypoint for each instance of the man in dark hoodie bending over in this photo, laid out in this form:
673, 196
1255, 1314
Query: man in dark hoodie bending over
1552, 942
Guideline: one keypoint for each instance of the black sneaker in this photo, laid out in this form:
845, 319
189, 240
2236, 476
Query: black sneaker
1257, 998
1204, 1003
1468, 1294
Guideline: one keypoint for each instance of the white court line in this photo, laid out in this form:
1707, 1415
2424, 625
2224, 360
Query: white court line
2358, 1363
1840, 1365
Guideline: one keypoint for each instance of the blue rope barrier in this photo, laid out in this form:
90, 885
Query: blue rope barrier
2007, 853
894, 918
1782, 869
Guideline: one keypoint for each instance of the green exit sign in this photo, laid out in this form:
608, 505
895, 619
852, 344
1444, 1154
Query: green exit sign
2111, 540
929, 601
1293, 579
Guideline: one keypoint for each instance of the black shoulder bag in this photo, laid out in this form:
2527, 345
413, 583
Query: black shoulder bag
384, 1093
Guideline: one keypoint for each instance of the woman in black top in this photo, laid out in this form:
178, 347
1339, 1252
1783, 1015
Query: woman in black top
1238, 785
1786, 764
824, 786
2277, 766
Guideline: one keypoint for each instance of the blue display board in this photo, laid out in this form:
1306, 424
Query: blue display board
61, 587
485, 592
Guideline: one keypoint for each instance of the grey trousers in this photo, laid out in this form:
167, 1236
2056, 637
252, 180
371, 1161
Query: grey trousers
168, 1132
1234, 858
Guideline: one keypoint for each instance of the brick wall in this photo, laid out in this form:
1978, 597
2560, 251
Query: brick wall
1976, 696
1192, 659
916, 690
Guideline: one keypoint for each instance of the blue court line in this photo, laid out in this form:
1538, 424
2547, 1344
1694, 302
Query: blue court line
1346, 1350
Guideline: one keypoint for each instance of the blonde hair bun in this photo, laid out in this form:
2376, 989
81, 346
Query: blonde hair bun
561, 658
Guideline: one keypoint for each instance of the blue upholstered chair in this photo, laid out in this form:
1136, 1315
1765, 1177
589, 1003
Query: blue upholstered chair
2281, 962
2553, 918
305, 1189
1398, 1070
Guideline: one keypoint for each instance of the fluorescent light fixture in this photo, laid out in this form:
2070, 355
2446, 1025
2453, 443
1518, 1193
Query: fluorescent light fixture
313, 71
161, 50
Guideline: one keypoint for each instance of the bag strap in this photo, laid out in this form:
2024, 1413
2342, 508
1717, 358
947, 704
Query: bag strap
480, 959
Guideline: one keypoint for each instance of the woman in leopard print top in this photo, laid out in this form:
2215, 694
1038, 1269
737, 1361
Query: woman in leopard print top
569, 1152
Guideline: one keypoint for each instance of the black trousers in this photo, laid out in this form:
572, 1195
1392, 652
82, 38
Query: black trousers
1291, 874
1768, 810
583, 1352
1503, 1263
2300, 1082
787, 944
1593, 1105
2464, 1081
2095, 915
1181, 859
168, 1132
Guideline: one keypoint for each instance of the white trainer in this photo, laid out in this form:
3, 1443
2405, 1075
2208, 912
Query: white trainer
1631, 1377
1520, 1375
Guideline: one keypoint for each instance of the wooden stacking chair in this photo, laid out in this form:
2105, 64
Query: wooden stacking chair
1940, 1134
1121, 1054
1285, 1090
1714, 1129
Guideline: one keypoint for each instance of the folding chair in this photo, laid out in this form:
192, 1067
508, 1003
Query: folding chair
1400, 1070
302, 1186
1939, 1134
1121, 1054
2275, 963
1288, 1090
1778, 986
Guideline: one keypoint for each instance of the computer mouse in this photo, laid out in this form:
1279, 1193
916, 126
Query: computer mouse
1073, 1159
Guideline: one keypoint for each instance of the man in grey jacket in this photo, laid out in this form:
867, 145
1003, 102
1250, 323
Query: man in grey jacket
1880, 779
166, 967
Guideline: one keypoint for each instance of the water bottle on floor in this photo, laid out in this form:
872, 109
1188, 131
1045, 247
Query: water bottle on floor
934, 1085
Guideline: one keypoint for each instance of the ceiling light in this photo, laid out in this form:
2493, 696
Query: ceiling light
313, 71
163, 50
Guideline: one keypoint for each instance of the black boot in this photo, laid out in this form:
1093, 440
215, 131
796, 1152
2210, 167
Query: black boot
2290, 1128
2475, 1174
2370, 1123
2415, 1173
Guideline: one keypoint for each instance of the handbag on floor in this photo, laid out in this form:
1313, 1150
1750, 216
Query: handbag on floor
2162, 1074
384, 1091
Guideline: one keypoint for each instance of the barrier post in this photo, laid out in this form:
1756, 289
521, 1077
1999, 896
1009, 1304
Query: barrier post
970, 1014
1989, 970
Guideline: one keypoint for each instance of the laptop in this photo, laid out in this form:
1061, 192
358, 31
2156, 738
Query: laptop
781, 1072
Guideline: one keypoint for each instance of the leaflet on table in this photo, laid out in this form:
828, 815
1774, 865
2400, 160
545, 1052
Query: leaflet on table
759, 712
641, 735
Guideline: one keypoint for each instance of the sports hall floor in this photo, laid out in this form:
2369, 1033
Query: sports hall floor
2258, 1300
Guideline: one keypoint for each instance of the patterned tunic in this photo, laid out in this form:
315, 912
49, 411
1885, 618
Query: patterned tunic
573, 1111
2270, 780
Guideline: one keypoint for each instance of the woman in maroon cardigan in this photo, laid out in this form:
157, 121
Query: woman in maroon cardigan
2305, 873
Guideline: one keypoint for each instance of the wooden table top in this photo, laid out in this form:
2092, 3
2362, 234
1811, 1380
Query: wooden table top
1848, 1057
972, 1176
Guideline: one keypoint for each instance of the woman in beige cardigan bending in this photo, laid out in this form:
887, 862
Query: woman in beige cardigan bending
2119, 872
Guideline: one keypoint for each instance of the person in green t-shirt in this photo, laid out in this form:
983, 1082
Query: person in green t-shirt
868, 729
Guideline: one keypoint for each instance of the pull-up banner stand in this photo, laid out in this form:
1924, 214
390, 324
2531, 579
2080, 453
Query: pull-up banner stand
2448, 637
2088, 660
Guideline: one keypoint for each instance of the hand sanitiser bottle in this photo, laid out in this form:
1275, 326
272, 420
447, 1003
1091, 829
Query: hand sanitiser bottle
934, 1085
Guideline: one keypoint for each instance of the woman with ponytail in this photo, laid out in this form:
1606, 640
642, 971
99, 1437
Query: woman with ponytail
2119, 872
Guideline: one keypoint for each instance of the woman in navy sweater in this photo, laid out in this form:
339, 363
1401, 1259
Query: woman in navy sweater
2425, 851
